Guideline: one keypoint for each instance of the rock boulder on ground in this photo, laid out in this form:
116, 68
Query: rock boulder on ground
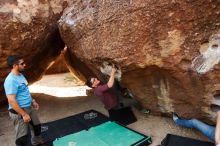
29, 28
167, 51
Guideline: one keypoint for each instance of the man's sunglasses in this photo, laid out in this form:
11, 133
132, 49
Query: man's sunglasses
22, 63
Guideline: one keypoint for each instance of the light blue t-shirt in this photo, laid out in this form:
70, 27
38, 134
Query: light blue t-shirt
17, 84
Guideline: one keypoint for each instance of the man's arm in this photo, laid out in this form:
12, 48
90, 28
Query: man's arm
217, 130
35, 105
12, 101
112, 77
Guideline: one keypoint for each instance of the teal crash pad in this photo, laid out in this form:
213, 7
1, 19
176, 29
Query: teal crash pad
106, 134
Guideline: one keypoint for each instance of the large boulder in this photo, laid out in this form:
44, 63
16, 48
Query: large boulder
29, 28
167, 51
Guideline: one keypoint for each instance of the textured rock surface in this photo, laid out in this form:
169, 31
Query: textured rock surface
30, 28
156, 44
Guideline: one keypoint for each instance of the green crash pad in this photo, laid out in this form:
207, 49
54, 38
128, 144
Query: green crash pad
106, 134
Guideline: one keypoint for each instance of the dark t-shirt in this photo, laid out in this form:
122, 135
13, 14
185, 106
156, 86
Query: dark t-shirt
109, 100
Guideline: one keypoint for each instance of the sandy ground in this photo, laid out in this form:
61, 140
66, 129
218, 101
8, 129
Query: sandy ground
52, 108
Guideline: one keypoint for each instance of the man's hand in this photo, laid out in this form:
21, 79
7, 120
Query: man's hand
26, 118
35, 105
217, 129
12, 101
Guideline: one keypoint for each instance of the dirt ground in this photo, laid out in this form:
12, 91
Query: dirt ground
53, 108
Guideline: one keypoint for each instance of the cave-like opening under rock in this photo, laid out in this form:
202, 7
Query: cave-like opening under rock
59, 85
58, 81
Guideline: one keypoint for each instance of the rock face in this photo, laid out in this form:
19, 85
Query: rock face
167, 51
29, 28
